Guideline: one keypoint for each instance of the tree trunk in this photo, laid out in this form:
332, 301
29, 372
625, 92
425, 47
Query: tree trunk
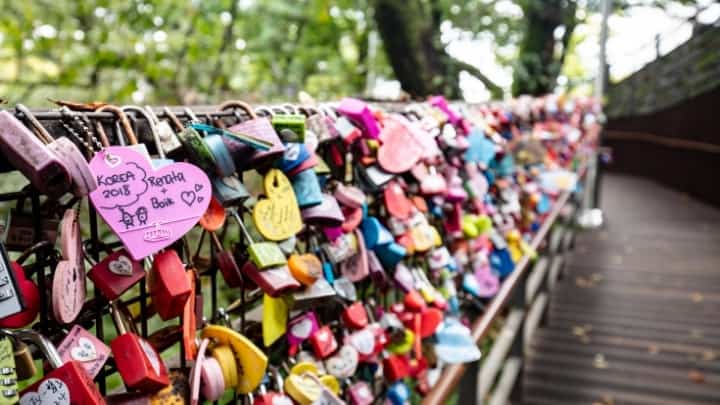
409, 37
538, 66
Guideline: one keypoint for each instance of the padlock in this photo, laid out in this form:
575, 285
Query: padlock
68, 285
115, 274
356, 267
355, 316
360, 394
359, 112
30, 295
264, 255
8, 374
18, 231
27, 153
226, 263
12, 302
396, 367
342, 248
295, 154
167, 140
169, 286
318, 292
197, 151
347, 130
307, 189
225, 165
291, 127
65, 384
124, 132
274, 282
305, 268
137, 361
229, 190
245, 156
322, 126
161, 160
323, 342
83, 347
327, 213
251, 361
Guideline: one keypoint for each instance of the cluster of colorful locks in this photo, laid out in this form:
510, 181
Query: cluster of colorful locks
369, 237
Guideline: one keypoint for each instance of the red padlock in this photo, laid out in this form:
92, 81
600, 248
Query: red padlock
116, 274
169, 285
323, 342
138, 363
355, 316
31, 300
396, 367
67, 384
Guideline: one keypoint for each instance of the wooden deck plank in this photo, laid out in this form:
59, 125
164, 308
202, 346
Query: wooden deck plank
635, 320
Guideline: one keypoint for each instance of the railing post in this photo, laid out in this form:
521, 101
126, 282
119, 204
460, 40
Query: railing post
519, 301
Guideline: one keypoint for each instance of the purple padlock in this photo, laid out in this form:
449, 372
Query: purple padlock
245, 156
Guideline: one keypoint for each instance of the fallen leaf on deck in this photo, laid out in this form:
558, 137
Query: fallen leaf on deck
696, 376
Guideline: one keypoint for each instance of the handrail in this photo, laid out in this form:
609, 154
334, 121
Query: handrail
481, 327
661, 140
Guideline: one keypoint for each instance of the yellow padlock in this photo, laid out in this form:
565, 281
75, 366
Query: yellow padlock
251, 360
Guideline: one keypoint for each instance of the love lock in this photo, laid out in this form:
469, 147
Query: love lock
251, 360
66, 384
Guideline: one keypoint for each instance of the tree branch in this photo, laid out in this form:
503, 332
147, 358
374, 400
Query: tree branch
494, 89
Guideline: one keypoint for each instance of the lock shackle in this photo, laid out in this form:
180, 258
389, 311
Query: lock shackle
308, 111
328, 111
191, 115
244, 230
150, 118
124, 122
173, 118
291, 108
266, 110
40, 341
122, 324
237, 104
34, 249
276, 109
38, 129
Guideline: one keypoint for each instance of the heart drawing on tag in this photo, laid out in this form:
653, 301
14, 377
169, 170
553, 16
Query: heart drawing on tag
122, 266
302, 329
148, 208
50, 391
84, 351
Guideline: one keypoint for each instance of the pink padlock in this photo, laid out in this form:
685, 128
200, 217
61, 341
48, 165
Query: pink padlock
358, 111
32, 158
83, 347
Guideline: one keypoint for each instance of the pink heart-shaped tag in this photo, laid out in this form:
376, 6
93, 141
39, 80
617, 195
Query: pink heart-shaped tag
400, 151
149, 209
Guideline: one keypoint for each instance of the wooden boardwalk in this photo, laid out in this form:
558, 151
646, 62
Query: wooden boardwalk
636, 318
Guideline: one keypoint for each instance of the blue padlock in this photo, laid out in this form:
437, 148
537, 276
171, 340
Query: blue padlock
229, 190
295, 153
307, 189
501, 262
328, 272
481, 149
224, 163
543, 205
398, 393
375, 233
390, 254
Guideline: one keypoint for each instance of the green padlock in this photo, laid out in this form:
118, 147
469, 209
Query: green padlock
264, 255
291, 127
8, 376
196, 149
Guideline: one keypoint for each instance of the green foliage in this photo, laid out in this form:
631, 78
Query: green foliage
201, 51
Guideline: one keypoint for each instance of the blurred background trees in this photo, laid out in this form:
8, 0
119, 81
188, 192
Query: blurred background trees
170, 52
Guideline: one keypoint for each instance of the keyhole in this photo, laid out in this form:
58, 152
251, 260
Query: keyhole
276, 183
